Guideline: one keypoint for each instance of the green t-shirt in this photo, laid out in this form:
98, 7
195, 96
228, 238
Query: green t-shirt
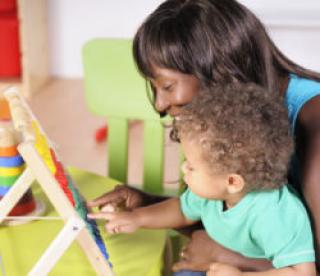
270, 225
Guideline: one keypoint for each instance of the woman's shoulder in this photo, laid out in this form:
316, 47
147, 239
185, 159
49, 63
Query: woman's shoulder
309, 115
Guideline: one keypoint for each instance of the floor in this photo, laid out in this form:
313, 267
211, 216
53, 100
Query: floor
60, 108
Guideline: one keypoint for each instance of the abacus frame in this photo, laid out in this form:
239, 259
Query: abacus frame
74, 226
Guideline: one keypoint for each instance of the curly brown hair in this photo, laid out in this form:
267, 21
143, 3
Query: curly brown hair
242, 129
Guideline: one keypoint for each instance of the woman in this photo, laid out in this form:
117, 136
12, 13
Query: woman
187, 44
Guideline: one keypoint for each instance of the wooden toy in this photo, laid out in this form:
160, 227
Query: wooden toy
44, 165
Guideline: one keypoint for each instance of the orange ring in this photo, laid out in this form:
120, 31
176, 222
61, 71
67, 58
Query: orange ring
9, 151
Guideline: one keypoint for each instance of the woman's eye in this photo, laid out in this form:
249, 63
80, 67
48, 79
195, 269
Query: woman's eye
167, 87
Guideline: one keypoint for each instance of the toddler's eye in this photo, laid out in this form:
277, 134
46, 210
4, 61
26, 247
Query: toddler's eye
186, 167
190, 168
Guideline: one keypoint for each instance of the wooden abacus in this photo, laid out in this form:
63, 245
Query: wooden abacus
44, 165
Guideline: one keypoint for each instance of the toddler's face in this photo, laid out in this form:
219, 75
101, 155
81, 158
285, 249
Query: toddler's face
173, 90
198, 176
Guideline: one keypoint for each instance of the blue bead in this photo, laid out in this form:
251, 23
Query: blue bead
14, 161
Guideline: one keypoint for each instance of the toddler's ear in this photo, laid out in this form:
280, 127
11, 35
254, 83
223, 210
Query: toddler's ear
235, 183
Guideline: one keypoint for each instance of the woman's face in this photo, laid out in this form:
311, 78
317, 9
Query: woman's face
173, 90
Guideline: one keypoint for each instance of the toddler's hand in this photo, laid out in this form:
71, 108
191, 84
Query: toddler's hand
118, 222
219, 269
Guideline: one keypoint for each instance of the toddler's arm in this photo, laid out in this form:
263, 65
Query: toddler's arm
166, 214
303, 269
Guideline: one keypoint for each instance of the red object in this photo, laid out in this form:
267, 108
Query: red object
8, 6
25, 205
101, 134
9, 46
61, 177
23, 209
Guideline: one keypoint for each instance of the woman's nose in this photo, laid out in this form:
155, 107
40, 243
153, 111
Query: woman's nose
162, 104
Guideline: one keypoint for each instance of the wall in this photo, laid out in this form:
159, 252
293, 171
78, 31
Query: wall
293, 24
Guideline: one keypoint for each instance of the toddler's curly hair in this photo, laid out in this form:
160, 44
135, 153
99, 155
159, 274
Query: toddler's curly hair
241, 128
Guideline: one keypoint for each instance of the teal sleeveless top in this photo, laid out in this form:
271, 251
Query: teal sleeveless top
299, 92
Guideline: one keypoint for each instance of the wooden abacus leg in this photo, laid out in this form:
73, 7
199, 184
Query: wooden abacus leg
15, 193
59, 245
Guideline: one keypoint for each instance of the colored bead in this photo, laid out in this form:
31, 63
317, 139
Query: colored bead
4, 190
8, 151
13, 161
4, 110
8, 181
11, 171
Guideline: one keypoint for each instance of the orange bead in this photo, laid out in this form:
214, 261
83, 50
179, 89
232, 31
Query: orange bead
4, 110
8, 151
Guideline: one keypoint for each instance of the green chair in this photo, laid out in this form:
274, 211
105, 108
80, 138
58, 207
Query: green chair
115, 90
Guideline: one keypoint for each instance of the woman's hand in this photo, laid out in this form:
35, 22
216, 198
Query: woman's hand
199, 253
219, 269
122, 195
125, 197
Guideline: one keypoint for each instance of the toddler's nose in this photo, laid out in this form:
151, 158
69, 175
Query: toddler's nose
184, 167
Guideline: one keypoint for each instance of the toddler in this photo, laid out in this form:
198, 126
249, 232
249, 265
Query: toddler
237, 147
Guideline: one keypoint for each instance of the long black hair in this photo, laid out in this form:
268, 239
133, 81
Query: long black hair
214, 40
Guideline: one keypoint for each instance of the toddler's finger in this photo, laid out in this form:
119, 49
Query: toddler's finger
113, 228
101, 215
214, 267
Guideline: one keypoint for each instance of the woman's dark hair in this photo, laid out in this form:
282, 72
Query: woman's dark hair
216, 41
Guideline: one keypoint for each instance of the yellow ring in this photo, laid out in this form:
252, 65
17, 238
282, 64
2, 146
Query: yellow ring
11, 171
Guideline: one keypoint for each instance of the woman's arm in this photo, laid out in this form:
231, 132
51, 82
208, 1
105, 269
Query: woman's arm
308, 150
311, 191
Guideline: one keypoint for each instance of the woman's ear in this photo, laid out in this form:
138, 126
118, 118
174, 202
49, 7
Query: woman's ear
235, 183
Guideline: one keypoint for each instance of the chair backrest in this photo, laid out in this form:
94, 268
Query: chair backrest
114, 89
